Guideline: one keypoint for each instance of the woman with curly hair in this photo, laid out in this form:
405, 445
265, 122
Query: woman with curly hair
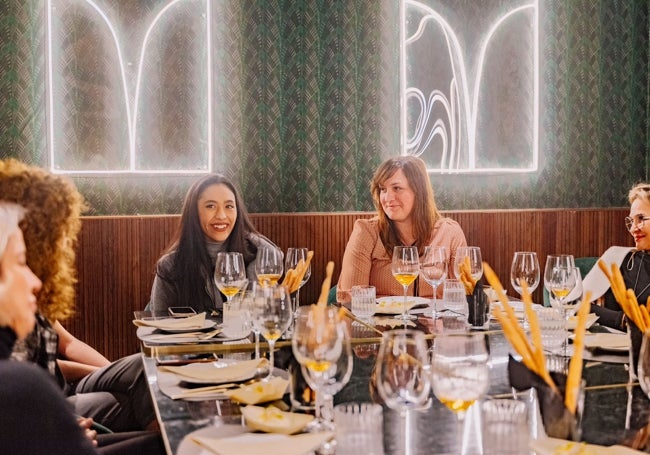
113, 394
213, 219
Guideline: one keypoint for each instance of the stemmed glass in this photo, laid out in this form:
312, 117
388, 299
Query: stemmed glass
561, 283
434, 269
475, 261
405, 268
268, 266
524, 269
575, 296
293, 258
459, 369
230, 274
403, 372
271, 317
321, 345
552, 261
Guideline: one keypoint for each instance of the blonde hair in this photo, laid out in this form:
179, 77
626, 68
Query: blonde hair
640, 191
50, 228
425, 213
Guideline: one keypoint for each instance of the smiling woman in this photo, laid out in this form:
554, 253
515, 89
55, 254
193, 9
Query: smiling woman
214, 219
406, 216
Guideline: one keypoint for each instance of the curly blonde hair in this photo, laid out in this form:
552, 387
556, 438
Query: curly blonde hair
50, 227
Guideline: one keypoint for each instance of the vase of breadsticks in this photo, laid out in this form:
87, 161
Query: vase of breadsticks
560, 396
478, 302
638, 318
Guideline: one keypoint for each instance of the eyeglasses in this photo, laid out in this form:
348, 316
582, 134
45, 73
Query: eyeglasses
635, 220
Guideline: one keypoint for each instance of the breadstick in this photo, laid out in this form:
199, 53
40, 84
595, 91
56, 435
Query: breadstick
325, 288
574, 377
535, 331
635, 311
646, 316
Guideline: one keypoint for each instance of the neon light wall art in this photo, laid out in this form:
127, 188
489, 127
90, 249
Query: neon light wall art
470, 85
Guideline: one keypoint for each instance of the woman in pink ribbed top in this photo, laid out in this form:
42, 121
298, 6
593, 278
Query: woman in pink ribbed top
406, 215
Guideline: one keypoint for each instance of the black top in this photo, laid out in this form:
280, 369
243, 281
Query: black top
635, 269
35, 417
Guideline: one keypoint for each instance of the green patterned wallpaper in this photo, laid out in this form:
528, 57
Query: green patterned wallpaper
311, 106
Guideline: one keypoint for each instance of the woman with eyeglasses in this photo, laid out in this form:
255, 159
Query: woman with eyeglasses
634, 263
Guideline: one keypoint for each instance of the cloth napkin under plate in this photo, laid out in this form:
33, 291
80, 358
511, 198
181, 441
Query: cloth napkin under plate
268, 444
192, 322
552, 446
216, 372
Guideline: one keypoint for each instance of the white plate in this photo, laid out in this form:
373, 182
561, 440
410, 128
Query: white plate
395, 304
207, 324
243, 442
187, 447
219, 372
608, 341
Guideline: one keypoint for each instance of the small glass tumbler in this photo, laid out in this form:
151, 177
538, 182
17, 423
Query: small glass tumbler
359, 429
363, 301
454, 299
553, 328
236, 318
505, 427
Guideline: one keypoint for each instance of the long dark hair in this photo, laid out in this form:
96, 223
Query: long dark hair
192, 264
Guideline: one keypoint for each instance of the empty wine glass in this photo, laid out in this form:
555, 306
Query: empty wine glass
403, 372
475, 261
249, 297
296, 256
272, 315
405, 268
525, 268
230, 274
434, 270
459, 369
321, 344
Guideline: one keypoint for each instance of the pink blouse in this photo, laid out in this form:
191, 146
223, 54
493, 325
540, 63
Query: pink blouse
366, 261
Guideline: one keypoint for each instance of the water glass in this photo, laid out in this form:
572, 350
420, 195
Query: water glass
363, 301
454, 299
553, 328
505, 427
359, 429
236, 318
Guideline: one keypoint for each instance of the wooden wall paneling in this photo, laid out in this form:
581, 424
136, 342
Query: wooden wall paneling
116, 256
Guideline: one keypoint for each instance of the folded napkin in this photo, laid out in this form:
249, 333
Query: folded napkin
618, 341
216, 372
573, 320
268, 444
260, 392
192, 322
552, 446
272, 420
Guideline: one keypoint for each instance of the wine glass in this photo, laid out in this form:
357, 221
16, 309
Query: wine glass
575, 296
562, 282
524, 269
268, 266
272, 315
230, 274
403, 372
294, 257
475, 261
250, 298
459, 370
405, 268
553, 260
434, 269
321, 344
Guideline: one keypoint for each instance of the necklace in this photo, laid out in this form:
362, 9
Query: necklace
638, 272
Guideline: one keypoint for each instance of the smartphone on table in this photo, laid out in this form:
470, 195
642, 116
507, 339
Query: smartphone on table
181, 311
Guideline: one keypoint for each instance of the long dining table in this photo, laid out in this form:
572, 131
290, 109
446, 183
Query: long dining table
615, 408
